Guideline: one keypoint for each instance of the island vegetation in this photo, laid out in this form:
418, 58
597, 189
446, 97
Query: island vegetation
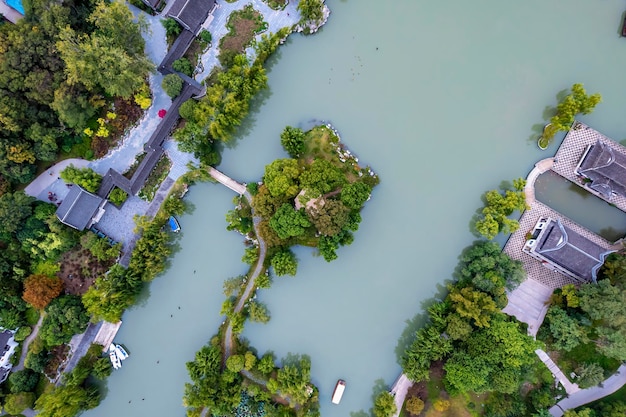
314, 199
573, 104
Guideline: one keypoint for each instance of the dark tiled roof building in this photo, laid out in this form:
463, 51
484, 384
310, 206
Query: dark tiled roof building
80, 208
153, 4
7, 347
565, 250
605, 167
191, 14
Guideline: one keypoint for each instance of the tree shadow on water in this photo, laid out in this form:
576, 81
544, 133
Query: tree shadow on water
249, 122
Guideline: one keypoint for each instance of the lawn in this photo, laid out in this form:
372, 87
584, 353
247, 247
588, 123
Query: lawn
243, 25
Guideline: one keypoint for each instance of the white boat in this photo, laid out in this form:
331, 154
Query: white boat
338, 393
121, 352
117, 363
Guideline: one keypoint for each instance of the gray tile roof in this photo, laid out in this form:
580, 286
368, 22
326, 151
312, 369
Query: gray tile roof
5, 335
606, 168
154, 4
564, 247
78, 208
191, 13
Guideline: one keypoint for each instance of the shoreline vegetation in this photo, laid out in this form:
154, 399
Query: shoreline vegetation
33, 241
577, 102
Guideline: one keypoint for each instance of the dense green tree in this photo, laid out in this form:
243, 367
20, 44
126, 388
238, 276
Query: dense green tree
613, 409
111, 57
281, 178
23, 381
65, 317
37, 361
505, 405
258, 312
266, 364
384, 405
493, 358
102, 368
329, 216
603, 301
235, 363
292, 139
14, 209
67, 401
354, 195
498, 207
490, 269
112, 294
429, 345
85, 177
183, 65
589, 375
172, 85
284, 262
458, 328
14, 404
567, 332
293, 380
578, 101
475, 305
321, 177
187, 109
151, 252
583, 412
288, 222
172, 28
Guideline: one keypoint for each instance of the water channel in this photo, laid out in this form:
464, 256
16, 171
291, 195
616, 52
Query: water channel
444, 100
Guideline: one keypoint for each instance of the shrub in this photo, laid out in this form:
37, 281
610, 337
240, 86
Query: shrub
172, 28
441, 405
118, 196
205, 35
183, 65
16, 403
23, 381
414, 405
21, 334
172, 85
187, 109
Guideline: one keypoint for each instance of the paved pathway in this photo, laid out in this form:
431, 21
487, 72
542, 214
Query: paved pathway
570, 388
399, 391
585, 396
529, 303
27, 342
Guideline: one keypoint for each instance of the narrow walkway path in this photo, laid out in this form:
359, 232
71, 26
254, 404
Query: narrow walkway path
540, 167
228, 335
558, 374
228, 182
26, 343
399, 391
585, 396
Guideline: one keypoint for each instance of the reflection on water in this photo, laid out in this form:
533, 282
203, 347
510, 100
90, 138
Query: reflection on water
581, 206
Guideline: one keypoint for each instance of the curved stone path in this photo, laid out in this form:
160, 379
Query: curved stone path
27, 342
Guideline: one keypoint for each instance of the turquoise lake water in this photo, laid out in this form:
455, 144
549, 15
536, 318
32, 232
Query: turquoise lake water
444, 100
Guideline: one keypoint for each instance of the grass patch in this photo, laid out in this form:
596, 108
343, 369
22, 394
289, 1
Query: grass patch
155, 179
276, 4
243, 25
584, 353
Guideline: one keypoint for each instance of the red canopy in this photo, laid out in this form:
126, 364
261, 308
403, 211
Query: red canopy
162, 113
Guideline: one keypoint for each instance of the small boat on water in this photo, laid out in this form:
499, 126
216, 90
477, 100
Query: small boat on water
174, 226
115, 360
121, 352
338, 393
624, 27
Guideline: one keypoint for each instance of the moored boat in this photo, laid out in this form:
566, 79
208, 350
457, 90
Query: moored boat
174, 226
121, 352
338, 393
624, 27
115, 360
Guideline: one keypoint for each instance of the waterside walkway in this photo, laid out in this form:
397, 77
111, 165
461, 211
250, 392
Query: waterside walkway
585, 396
399, 390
